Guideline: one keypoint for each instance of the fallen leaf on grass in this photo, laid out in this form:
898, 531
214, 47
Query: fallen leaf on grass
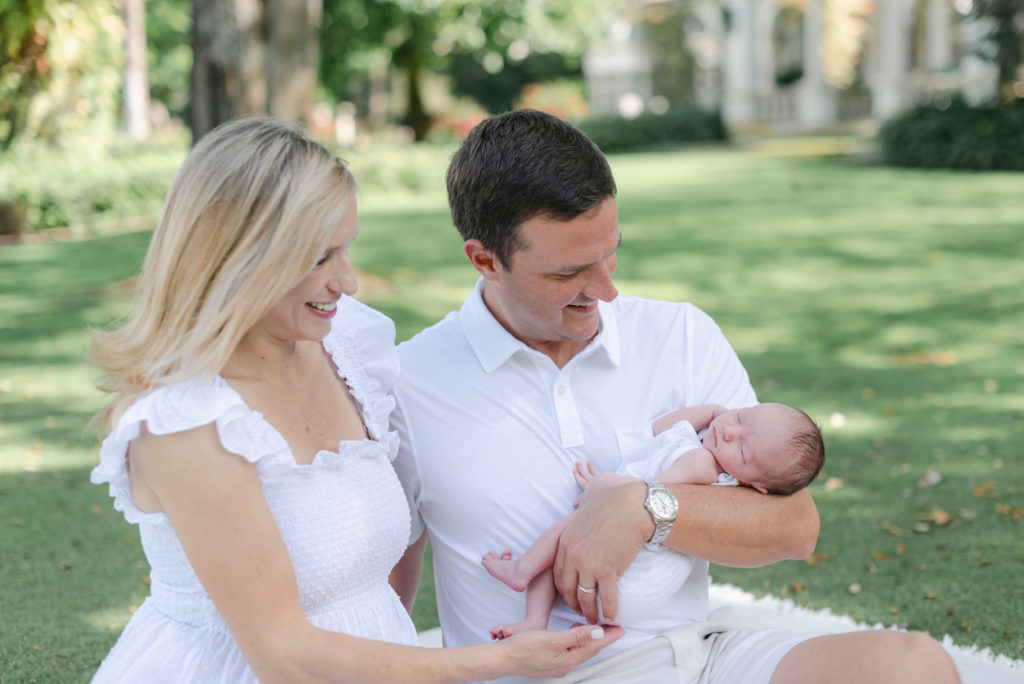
930, 595
854, 589
880, 555
833, 483
1015, 513
929, 479
817, 558
983, 488
939, 517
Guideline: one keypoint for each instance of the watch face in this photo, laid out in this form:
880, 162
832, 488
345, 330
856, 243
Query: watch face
663, 504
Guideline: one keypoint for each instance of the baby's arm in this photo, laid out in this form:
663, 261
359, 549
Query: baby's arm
696, 466
698, 416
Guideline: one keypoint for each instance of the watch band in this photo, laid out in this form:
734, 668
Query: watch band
662, 505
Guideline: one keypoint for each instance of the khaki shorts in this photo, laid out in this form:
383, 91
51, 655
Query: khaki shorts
712, 652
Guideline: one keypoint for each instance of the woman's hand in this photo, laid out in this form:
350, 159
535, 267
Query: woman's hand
554, 654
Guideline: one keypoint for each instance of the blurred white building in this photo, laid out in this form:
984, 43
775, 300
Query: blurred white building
799, 65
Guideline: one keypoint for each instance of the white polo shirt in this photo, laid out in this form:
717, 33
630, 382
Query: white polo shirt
490, 430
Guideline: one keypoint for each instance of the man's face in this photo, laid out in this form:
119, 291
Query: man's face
548, 296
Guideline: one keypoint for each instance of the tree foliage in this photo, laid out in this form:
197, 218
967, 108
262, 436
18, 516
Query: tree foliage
59, 69
363, 39
1003, 43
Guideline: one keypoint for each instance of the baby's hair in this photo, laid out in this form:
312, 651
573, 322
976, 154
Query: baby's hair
807, 449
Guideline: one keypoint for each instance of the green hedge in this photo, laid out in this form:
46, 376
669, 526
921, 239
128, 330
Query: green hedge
650, 131
53, 188
959, 136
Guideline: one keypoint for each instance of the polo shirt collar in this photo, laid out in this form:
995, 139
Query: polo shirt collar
493, 345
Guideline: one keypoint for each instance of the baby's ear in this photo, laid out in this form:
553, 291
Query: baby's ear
763, 490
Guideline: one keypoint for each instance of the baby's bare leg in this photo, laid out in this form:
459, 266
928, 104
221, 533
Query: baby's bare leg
588, 477
516, 573
540, 596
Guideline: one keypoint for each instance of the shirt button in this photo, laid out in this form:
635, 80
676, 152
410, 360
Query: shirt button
561, 390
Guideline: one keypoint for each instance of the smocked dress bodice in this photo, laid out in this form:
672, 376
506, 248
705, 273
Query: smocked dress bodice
343, 518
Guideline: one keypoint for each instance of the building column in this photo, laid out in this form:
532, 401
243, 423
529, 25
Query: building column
816, 100
938, 26
740, 106
892, 58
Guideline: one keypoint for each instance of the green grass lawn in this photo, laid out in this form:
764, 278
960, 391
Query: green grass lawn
888, 304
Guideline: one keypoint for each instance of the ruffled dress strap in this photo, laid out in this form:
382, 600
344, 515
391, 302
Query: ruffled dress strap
362, 344
177, 408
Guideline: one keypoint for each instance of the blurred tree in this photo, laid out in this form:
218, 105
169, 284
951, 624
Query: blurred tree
673, 66
169, 46
253, 57
60, 70
1004, 42
362, 40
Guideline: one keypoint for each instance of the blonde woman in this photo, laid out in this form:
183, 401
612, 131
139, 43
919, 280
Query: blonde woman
249, 440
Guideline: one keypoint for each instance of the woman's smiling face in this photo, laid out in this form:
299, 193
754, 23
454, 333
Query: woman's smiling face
305, 311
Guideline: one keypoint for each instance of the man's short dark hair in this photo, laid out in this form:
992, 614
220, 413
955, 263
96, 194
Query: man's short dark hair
520, 165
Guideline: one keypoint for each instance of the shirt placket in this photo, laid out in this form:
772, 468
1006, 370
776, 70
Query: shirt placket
566, 413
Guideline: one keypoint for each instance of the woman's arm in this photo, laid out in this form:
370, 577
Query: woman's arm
214, 501
727, 525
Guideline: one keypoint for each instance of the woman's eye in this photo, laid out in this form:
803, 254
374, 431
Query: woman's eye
323, 260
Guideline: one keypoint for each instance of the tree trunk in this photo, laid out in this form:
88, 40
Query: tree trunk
293, 57
136, 75
253, 57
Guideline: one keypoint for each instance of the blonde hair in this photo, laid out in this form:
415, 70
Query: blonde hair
250, 211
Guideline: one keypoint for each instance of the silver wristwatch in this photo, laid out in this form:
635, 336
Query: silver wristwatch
661, 503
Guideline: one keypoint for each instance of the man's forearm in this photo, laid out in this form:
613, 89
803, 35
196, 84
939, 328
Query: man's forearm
740, 527
405, 576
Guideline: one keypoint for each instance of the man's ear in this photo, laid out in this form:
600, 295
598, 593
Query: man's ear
482, 259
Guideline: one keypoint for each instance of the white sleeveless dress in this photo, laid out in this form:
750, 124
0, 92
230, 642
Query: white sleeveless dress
343, 518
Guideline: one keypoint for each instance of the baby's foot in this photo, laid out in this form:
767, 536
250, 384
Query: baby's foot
505, 631
504, 569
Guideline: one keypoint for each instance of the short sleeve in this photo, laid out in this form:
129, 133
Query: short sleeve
362, 344
646, 456
177, 408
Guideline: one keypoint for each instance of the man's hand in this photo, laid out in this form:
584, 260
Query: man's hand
598, 545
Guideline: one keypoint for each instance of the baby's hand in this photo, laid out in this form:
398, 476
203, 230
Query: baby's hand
584, 473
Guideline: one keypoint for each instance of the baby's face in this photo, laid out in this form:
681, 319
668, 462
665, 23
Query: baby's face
748, 442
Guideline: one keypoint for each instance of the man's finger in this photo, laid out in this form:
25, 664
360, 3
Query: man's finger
609, 595
588, 603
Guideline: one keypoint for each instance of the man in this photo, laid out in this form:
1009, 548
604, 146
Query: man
545, 365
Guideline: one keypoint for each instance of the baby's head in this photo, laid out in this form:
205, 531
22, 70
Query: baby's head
774, 448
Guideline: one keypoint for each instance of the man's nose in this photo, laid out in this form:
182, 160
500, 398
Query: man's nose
601, 285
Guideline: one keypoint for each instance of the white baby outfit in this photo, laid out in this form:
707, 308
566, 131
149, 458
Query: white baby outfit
343, 518
656, 575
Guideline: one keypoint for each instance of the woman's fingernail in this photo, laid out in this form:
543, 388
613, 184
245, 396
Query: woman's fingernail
596, 633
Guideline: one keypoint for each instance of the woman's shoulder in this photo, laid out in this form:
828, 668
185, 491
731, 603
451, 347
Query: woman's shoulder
183, 415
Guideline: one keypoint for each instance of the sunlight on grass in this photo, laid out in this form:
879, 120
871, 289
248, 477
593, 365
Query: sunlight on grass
110, 619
